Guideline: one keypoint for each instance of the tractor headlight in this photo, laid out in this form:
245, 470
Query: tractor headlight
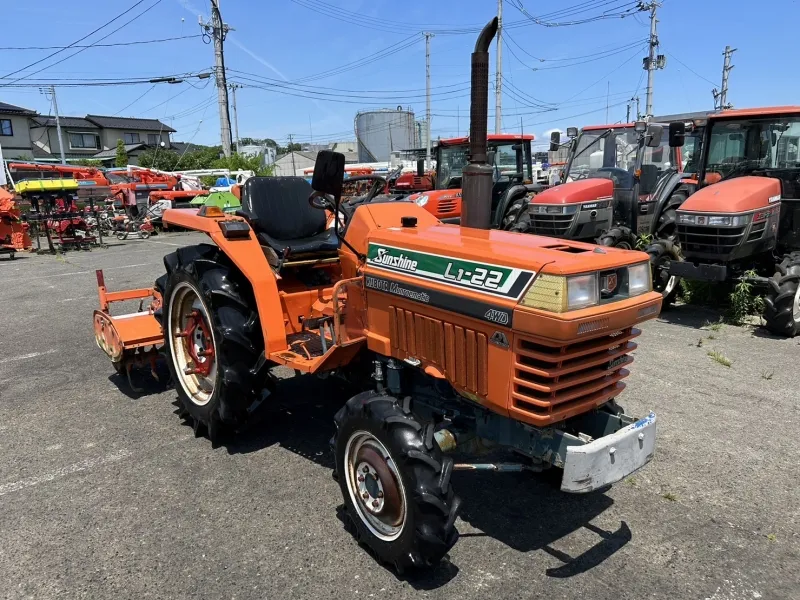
714, 220
582, 291
422, 200
559, 294
640, 279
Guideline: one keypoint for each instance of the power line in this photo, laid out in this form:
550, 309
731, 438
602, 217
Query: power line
689, 68
128, 22
618, 10
150, 89
136, 43
106, 24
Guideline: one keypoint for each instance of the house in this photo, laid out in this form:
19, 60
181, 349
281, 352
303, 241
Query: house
15, 138
95, 137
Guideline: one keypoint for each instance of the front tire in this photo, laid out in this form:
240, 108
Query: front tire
661, 255
782, 303
395, 482
616, 238
212, 337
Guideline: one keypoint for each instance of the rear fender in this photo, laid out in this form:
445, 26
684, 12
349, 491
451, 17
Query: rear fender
249, 258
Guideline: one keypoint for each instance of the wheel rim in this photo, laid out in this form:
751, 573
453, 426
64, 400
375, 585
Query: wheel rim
663, 282
796, 305
192, 343
375, 486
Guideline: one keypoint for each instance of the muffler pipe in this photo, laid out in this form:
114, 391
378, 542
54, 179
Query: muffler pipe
476, 195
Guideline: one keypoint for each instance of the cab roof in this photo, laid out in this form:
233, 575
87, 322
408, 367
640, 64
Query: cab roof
614, 126
492, 137
756, 112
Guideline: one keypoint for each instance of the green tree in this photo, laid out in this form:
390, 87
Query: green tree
90, 162
122, 157
157, 158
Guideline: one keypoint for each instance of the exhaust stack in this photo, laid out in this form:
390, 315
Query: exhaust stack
476, 196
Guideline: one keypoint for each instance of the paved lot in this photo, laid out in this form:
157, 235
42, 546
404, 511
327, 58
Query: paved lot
104, 493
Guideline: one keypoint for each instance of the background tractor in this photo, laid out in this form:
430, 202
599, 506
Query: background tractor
448, 334
743, 222
614, 192
512, 176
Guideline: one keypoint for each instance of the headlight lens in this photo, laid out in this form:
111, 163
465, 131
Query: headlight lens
582, 291
640, 279
558, 294
422, 200
714, 220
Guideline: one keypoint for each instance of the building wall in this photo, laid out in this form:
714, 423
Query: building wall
109, 137
46, 139
283, 166
18, 144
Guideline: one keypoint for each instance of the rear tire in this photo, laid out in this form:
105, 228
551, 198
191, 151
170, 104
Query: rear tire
661, 255
203, 277
616, 238
395, 482
782, 303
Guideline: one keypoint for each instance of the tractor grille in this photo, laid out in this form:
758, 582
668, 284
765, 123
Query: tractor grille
719, 241
551, 225
552, 382
756, 231
461, 353
447, 206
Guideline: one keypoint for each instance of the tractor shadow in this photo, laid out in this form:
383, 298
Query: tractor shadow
142, 383
690, 315
524, 511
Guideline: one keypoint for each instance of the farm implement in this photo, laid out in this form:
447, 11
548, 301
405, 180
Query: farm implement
449, 334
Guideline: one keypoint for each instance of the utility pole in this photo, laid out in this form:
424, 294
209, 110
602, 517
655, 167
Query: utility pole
721, 97
428, 36
498, 80
291, 149
628, 112
58, 125
235, 116
653, 61
218, 30
638, 112
608, 93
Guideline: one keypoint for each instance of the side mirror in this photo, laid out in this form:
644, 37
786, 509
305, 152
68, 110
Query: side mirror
640, 126
572, 132
654, 135
328, 173
421, 167
555, 141
677, 134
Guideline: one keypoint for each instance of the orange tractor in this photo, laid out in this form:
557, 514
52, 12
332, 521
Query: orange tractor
13, 232
512, 176
450, 333
743, 222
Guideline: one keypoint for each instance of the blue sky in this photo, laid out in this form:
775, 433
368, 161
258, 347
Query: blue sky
286, 40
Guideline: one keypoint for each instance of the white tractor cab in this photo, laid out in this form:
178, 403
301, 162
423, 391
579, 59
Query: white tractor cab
609, 166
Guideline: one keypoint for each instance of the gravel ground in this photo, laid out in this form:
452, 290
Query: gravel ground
105, 493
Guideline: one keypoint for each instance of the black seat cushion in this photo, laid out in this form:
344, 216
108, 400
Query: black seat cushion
326, 241
282, 218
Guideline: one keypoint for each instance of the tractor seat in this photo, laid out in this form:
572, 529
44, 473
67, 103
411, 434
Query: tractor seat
279, 213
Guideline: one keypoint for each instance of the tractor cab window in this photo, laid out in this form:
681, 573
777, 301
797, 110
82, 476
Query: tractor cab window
612, 153
766, 146
453, 159
690, 152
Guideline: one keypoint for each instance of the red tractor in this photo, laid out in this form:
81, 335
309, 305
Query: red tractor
743, 222
510, 156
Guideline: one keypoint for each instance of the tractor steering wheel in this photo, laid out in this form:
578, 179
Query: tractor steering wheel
322, 201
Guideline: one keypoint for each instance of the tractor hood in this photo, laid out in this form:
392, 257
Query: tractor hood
737, 195
575, 192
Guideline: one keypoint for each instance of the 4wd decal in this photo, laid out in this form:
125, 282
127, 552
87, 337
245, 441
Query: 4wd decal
498, 280
499, 315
